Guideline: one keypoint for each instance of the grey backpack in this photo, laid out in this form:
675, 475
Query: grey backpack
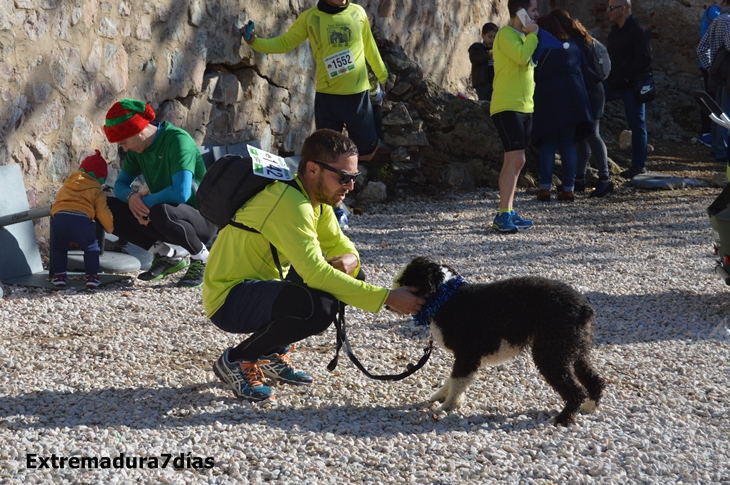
601, 61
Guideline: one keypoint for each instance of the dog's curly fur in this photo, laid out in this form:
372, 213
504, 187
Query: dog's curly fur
493, 322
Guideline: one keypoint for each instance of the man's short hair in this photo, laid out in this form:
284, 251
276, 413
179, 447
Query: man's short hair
515, 6
325, 146
625, 3
489, 27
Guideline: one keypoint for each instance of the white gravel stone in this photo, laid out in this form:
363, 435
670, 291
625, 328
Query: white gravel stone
127, 368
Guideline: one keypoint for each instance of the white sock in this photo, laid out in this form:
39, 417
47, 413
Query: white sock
202, 255
162, 249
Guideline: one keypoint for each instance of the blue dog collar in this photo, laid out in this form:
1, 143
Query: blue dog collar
444, 293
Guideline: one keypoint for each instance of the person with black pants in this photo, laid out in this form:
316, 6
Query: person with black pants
250, 286
165, 212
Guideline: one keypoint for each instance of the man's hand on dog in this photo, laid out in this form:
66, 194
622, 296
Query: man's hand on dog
403, 300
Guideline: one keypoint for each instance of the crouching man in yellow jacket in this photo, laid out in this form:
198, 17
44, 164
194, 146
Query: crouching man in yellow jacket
285, 282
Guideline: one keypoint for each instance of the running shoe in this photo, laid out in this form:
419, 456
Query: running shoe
520, 222
161, 267
244, 377
503, 223
281, 369
194, 276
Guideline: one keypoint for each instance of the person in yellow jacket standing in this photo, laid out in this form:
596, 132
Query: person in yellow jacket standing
341, 40
79, 201
512, 105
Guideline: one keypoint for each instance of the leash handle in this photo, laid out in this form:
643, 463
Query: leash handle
342, 340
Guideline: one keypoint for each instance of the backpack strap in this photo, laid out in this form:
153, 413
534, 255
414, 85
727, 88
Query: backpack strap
274, 252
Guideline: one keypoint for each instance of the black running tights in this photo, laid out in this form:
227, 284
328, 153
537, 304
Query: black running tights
181, 225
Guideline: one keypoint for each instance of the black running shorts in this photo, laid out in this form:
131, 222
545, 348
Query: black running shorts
354, 111
514, 129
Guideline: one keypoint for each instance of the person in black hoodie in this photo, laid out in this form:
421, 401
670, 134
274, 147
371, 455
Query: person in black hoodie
629, 47
482, 63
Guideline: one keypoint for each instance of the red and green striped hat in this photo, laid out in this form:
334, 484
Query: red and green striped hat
127, 118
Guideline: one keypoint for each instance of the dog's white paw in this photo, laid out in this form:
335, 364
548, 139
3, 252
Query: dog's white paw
588, 406
441, 394
438, 396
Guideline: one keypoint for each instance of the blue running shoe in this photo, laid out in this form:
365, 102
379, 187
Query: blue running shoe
280, 368
244, 377
520, 222
503, 223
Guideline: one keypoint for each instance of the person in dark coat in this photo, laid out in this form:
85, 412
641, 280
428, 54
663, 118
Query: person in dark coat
482, 63
562, 109
593, 143
629, 46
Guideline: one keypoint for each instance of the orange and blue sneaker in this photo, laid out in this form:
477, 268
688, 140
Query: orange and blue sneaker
245, 377
280, 368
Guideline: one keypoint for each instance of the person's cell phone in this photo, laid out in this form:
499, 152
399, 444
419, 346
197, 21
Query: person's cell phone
247, 29
524, 17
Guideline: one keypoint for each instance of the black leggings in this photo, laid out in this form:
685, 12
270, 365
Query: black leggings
181, 225
297, 313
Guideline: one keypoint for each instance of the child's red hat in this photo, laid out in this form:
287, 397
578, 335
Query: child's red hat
96, 165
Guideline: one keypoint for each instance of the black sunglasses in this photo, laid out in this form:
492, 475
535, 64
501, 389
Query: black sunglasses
611, 8
345, 178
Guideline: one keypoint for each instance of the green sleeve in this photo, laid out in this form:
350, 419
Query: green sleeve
518, 51
300, 243
372, 54
296, 34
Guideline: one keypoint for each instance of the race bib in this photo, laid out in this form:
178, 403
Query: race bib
339, 64
269, 165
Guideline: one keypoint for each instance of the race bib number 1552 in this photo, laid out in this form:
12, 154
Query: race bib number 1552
339, 63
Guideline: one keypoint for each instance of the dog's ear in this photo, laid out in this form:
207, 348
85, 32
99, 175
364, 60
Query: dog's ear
434, 277
419, 273
451, 269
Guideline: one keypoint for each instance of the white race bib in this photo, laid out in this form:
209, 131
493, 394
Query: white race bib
269, 165
339, 64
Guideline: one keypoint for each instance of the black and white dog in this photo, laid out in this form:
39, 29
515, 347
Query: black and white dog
489, 323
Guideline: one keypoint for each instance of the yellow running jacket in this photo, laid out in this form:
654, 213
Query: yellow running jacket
302, 234
340, 44
514, 82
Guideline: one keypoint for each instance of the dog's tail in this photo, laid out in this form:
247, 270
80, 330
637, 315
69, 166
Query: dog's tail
585, 319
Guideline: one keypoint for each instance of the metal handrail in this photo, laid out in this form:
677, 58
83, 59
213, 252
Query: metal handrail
23, 216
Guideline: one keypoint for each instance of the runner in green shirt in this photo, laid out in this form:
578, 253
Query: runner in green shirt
341, 40
164, 213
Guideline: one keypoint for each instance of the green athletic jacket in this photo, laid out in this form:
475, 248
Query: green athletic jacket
173, 151
329, 34
301, 233
514, 82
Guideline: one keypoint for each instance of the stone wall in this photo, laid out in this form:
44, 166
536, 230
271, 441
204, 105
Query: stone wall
63, 63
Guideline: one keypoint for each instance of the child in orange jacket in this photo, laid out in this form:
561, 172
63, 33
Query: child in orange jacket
79, 201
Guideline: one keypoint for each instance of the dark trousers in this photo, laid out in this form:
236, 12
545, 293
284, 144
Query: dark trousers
276, 313
636, 118
73, 231
181, 225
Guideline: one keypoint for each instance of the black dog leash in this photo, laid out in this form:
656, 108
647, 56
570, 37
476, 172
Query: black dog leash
342, 340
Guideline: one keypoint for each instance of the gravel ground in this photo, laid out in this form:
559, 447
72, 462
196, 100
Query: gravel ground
127, 369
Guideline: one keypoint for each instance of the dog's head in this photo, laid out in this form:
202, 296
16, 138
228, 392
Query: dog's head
425, 275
